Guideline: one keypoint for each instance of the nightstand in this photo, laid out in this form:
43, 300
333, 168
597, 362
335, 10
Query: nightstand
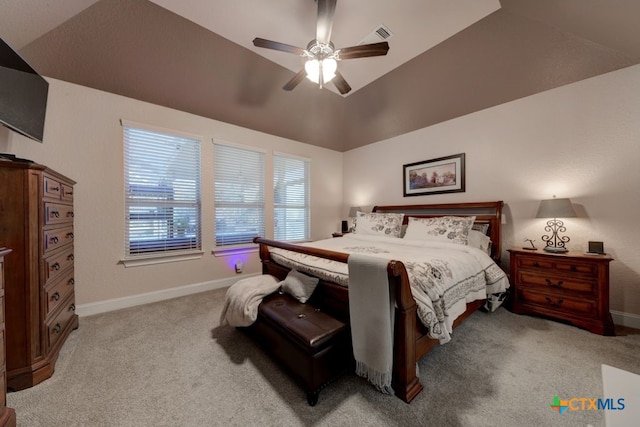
571, 287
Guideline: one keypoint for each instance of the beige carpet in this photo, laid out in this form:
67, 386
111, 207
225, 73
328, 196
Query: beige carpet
169, 364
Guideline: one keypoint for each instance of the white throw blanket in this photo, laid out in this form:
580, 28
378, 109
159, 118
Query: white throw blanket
243, 298
371, 313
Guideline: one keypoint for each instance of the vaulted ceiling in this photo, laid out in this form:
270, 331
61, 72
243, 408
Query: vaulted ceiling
447, 58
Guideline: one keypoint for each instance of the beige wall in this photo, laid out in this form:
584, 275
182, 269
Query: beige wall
579, 141
83, 140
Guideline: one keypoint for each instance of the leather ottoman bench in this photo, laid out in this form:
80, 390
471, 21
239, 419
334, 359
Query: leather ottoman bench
312, 345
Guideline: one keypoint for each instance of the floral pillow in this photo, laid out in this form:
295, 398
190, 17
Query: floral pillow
453, 229
381, 224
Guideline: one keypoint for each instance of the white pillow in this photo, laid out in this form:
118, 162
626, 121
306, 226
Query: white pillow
453, 229
379, 224
478, 239
299, 285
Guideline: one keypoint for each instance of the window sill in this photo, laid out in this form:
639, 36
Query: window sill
160, 259
222, 251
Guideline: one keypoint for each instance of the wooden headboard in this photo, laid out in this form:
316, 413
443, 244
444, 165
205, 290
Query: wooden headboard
485, 213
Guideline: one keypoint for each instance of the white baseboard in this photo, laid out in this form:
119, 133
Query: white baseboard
165, 294
626, 319
619, 317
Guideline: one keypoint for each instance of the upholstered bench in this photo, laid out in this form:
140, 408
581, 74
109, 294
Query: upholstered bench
312, 345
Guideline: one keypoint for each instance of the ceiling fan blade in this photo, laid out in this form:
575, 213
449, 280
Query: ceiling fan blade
269, 44
364, 50
295, 81
326, 9
341, 84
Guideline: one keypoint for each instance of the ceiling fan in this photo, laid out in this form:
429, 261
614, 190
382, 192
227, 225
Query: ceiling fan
320, 55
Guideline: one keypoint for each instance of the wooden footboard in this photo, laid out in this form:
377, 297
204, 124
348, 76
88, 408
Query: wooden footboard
334, 299
411, 341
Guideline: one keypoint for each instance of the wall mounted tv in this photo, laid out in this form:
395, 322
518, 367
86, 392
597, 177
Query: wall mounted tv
23, 95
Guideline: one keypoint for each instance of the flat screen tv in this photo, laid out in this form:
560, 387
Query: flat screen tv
23, 95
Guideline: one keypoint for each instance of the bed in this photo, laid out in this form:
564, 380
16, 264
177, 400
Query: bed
412, 339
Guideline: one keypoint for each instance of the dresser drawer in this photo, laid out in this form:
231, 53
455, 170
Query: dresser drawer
57, 325
67, 193
56, 293
561, 304
52, 187
57, 238
557, 283
56, 264
57, 213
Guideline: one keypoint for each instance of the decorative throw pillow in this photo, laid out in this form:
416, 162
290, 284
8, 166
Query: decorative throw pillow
299, 285
483, 228
477, 239
380, 224
453, 229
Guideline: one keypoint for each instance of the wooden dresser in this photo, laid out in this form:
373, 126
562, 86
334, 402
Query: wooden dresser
7, 415
36, 222
571, 287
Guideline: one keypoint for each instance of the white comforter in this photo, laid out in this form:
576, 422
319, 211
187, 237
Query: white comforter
444, 277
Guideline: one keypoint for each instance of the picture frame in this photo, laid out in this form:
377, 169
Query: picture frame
435, 176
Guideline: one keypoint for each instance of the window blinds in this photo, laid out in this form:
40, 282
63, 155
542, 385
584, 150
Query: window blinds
238, 194
291, 198
162, 192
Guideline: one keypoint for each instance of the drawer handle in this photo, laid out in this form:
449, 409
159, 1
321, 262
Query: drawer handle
573, 268
55, 296
72, 307
535, 264
56, 266
70, 214
552, 303
301, 316
71, 282
57, 328
69, 235
53, 239
55, 214
70, 193
55, 188
70, 257
555, 285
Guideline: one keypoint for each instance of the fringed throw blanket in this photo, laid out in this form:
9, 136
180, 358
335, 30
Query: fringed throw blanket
243, 298
371, 314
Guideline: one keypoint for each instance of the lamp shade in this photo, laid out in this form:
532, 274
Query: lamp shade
353, 211
556, 208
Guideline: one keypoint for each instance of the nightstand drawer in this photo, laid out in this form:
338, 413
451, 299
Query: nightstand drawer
558, 283
561, 266
577, 267
533, 262
559, 303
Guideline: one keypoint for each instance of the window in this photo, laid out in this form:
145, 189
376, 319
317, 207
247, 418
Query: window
238, 194
291, 198
162, 192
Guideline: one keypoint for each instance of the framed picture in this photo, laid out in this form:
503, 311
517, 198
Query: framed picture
435, 176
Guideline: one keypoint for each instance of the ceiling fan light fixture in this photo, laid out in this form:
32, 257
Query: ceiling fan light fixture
327, 67
312, 67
